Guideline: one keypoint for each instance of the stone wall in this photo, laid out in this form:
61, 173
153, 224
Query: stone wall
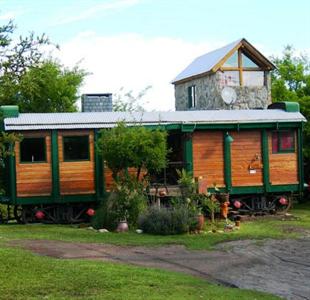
96, 102
208, 94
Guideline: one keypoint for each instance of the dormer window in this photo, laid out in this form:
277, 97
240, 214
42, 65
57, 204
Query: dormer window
240, 70
192, 96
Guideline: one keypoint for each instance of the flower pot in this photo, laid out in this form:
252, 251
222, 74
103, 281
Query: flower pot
201, 222
122, 226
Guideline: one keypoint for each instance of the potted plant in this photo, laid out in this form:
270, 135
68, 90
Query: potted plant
186, 183
212, 205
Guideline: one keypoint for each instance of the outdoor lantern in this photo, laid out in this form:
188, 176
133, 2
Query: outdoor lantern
228, 138
90, 212
237, 204
283, 201
40, 215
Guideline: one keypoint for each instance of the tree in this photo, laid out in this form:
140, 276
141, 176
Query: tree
291, 82
291, 79
133, 147
48, 87
127, 101
31, 81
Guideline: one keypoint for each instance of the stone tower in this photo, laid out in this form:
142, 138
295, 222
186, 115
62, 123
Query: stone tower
238, 67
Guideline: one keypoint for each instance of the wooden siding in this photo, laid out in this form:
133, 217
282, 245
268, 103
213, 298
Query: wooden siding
108, 180
34, 179
208, 157
76, 177
246, 155
283, 167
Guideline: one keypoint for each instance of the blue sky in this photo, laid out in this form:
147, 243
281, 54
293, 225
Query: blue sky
135, 43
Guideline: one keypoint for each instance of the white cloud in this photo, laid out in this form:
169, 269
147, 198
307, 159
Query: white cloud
133, 62
10, 15
110, 6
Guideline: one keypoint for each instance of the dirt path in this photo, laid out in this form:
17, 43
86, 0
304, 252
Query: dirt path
281, 267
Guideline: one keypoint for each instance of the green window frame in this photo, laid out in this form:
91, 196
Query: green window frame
76, 148
278, 139
192, 103
38, 143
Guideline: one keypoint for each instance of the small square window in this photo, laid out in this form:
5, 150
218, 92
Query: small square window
32, 150
76, 148
192, 96
283, 141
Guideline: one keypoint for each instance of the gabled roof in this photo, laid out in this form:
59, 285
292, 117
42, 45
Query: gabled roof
45, 121
212, 61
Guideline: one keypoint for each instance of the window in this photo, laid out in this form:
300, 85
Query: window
240, 70
76, 148
32, 150
253, 78
230, 78
283, 141
232, 61
192, 96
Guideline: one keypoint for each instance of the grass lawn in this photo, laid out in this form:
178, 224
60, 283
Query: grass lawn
27, 276
258, 229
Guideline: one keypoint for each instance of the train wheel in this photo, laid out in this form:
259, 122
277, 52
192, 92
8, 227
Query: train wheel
18, 211
27, 215
283, 203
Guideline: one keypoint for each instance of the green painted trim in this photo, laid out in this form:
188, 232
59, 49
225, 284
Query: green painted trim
300, 159
240, 126
242, 190
227, 163
12, 180
265, 156
188, 152
284, 188
99, 184
55, 165
9, 111
188, 127
51, 200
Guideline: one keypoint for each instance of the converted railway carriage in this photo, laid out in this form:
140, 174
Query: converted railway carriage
246, 153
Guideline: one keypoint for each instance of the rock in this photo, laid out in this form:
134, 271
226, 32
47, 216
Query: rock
103, 230
91, 228
139, 231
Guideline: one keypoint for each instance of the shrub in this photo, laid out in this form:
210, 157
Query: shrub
166, 221
105, 217
126, 202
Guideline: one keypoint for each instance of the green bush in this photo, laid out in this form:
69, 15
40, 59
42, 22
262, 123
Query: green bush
126, 202
166, 221
105, 216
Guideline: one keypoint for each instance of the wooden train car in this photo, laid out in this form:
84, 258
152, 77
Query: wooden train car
246, 153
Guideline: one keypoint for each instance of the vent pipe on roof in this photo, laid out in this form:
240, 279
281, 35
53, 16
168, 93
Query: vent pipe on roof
9, 111
286, 106
97, 102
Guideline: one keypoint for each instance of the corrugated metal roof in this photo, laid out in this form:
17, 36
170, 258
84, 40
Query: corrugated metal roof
206, 62
36, 121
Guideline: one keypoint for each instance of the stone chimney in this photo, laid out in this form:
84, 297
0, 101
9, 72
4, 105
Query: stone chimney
96, 102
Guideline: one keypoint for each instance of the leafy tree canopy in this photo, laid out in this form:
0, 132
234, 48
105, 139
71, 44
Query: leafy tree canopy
30, 80
133, 147
291, 82
127, 101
